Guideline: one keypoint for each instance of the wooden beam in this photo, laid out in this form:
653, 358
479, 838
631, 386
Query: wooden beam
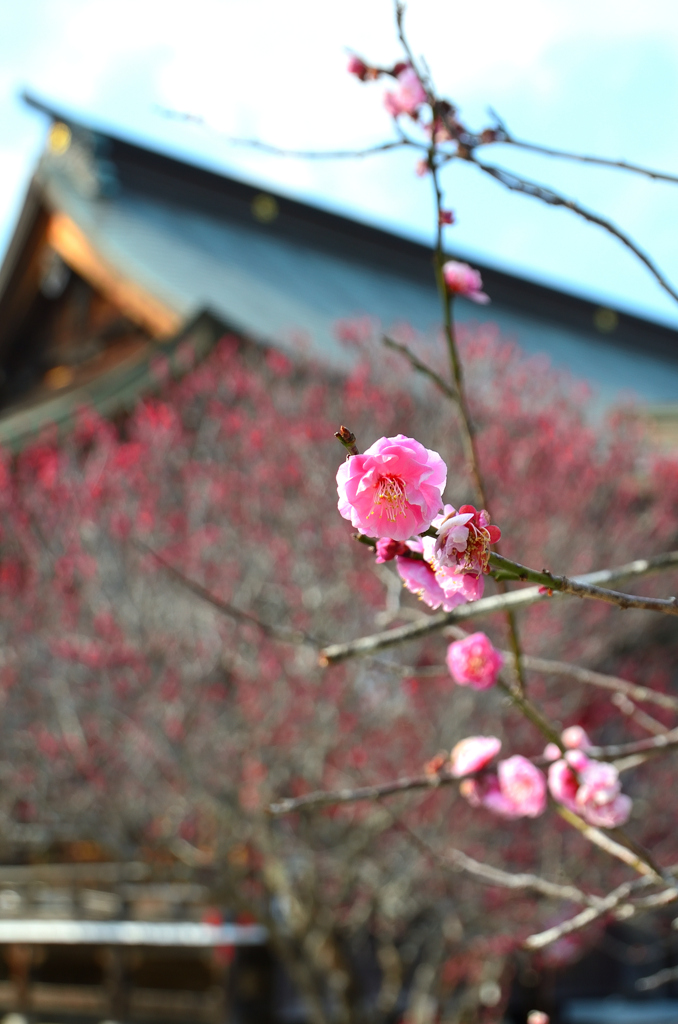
75, 249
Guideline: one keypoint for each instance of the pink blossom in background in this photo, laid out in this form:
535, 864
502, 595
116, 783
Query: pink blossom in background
393, 490
574, 738
472, 754
599, 797
464, 280
538, 1017
387, 549
409, 95
518, 790
523, 785
474, 662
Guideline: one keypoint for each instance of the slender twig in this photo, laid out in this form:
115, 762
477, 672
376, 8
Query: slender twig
610, 902
608, 682
657, 980
281, 633
460, 861
301, 154
321, 797
599, 161
421, 367
368, 645
547, 195
565, 585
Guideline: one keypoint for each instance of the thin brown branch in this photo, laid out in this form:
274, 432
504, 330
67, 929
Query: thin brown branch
608, 682
421, 367
281, 633
547, 195
322, 797
460, 861
302, 154
368, 645
578, 588
598, 161
607, 904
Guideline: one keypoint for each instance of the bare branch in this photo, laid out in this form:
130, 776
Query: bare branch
579, 588
301, 154
657, 980
288, 636
322, 797
608, 682
420, 367
610, 902
368, 645
598, 161
547, 195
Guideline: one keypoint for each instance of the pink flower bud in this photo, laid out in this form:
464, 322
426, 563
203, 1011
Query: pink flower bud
393, 490
472, 754
464, 280
474, 662
387, 549
446, 217
357, 67
574, 738
538, 1017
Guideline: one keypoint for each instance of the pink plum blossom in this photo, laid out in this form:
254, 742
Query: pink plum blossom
472, 754
599, 797
518, 790
474, 662
463, 541
464, 280
420, 579
523, 785
409, 95
590, 788
393, 490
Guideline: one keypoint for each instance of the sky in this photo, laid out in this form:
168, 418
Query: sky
595, 76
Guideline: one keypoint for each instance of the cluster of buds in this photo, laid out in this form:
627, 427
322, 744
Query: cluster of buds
589, 788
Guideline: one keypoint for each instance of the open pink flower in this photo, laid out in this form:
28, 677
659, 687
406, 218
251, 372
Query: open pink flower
472, 754
392, 490
463, 541
464, 280
409, 95
518, 790
523, 786
474, 662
